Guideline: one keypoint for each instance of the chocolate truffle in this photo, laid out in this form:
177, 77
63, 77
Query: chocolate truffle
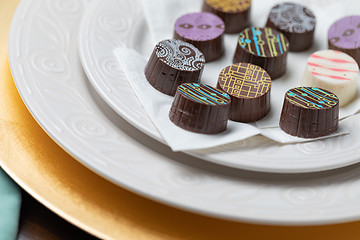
234, 13
172, 63
296, 22
334, 71
200, 108
203, 30
344, 35
309, 112
264, 47
249, 88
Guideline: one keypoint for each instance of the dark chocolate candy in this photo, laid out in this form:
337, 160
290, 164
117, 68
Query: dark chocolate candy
264, 47
172, 63
203, 30
200, 108
344, 35
296, 22
309, 112
249, 88
234, 13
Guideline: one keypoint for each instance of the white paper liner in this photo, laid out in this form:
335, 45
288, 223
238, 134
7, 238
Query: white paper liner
276, 134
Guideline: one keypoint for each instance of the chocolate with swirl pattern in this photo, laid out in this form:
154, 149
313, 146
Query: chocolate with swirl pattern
296, 22
172, 63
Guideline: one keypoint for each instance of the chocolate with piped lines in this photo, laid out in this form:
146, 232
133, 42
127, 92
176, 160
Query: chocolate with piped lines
264, 47
309, 112
200, 108
332, 70
249, 87
234, 13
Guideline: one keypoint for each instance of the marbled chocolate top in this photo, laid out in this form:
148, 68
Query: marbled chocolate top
204, 94
264, 42
180, 55
229, 6
312, 98
200, 26
293, 18
244, 80
345, 32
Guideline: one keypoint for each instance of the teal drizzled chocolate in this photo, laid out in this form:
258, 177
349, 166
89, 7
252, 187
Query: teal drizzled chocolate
309, 112
204, 94
264, 47
200, 108
312, 97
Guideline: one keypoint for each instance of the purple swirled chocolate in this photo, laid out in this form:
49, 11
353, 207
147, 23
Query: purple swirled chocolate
200, 26
345, 32
344, 36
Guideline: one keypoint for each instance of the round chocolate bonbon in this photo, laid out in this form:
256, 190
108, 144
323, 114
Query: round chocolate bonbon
203, 30
249, 88
200, 108
172, 63
296, 22
309, 112
334, 71
234, 13
344, 35
264, 47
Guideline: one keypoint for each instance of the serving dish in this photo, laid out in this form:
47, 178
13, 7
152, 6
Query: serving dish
49, 78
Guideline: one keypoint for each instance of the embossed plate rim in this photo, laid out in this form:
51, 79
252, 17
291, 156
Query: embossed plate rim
150, 168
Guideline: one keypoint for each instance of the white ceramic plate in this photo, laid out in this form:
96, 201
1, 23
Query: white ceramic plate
47, 71
111, 23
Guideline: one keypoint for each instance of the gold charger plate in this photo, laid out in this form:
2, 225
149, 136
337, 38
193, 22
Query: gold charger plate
97, 206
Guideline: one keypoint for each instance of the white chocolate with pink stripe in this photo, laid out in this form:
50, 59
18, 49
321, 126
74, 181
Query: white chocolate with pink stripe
334, 71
